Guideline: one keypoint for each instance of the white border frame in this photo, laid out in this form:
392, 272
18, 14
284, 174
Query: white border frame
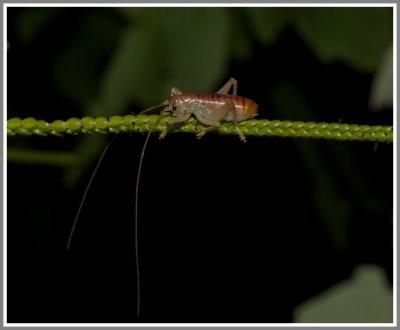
392, 5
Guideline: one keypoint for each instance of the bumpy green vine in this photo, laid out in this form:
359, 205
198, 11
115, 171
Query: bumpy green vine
142, 123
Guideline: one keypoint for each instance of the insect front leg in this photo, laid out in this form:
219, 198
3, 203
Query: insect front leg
227, 87
180, 114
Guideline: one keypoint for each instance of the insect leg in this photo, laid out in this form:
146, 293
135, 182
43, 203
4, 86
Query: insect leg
181, 114
175, 91
227, 87
213, 117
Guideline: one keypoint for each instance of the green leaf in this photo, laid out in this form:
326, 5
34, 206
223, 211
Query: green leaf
365, 298
241, 44
39, 157
133, 73
76, 69
290, 103
159, 50
196, 48
382, 84
89, 148
31, 21
357, 36
135, 13
267, 23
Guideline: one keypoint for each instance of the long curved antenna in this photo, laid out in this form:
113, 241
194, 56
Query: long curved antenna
78, 213
137, 213
158, 106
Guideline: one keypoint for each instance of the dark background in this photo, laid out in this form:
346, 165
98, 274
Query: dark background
229, 232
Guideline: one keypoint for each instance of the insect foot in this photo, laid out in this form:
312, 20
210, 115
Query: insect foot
201, 134
203, 131
242, 137
164, 134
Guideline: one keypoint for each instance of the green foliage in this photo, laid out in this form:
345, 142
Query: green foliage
31, 22
77, 67
356, 36
151, 58
43, 158
365, 298
326, 194
268, 23
382, 85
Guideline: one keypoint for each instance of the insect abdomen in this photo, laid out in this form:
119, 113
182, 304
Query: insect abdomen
245, 108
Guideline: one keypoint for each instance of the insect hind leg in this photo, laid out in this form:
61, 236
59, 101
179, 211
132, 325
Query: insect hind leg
175, 91
213, 117
227, 87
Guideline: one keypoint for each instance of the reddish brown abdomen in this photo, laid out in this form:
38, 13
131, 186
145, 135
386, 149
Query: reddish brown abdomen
245, 108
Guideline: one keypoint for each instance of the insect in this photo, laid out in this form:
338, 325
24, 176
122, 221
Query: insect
210, 109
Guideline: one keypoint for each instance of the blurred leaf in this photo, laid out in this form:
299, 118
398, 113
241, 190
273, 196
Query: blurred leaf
129, 75
333, 209
38, 157
365, 298
133, 74
357, 36
157, 52
382, 84
136, 13
88, 149
285, 98
267, 23
241, 45
76, 69
32, 21
197, 41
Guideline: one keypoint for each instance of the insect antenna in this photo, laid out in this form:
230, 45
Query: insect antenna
137, 206
78, 213
158, 106
73, 227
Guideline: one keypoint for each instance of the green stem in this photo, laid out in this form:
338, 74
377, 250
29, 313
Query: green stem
141, 123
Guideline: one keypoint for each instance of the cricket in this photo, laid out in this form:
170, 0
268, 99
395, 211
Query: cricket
209, 109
